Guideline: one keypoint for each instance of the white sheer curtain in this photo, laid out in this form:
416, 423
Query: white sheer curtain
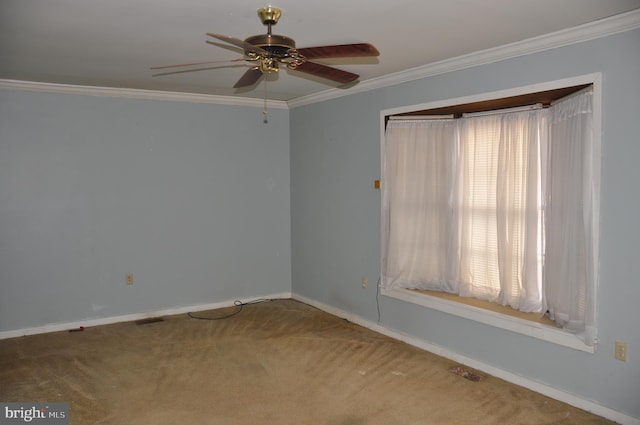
462, 207
500, 207
417, 220
571, 216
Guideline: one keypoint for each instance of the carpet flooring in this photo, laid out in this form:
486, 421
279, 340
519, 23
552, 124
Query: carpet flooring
278, 362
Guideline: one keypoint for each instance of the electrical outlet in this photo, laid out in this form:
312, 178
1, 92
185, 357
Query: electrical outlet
364, 282
129, 278
621, 351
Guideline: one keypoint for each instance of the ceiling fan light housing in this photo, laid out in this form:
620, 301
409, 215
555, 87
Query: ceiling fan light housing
268, 66
278, 45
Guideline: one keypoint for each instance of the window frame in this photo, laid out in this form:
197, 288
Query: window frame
488, 317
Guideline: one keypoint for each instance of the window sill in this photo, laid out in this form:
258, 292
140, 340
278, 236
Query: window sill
498, 320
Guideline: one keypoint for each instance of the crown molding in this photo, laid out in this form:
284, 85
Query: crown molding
616, 24
138, 94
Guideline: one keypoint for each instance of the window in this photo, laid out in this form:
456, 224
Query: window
500, 206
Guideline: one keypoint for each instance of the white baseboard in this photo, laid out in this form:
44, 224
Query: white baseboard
520, 380
56, 327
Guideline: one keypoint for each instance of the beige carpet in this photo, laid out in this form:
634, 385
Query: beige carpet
278, 362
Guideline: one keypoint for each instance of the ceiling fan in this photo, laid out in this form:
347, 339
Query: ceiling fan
268, 51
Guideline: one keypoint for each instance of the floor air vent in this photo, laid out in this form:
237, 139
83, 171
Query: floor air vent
151, 320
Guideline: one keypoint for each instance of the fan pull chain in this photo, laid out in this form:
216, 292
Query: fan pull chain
264, 109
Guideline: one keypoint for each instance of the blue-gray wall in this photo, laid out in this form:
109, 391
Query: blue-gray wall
193, 199
335, 157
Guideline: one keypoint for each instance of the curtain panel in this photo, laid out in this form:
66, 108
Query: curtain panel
500, 207
572, 217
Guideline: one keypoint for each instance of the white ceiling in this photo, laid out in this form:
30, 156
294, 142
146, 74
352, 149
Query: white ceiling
114, 43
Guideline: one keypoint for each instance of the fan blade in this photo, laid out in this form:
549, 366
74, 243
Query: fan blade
249, 78
197, 63
237, 42
340, 51
327, 72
